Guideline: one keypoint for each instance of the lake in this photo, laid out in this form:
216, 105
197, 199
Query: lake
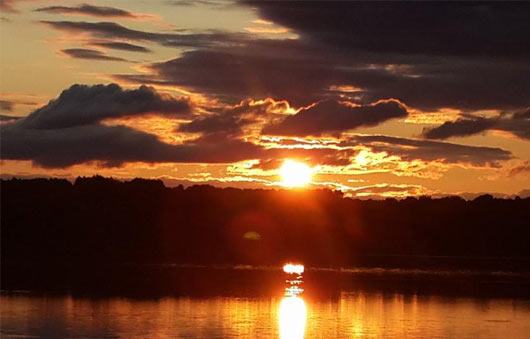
371, 303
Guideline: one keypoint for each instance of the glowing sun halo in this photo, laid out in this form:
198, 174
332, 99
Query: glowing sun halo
295, 174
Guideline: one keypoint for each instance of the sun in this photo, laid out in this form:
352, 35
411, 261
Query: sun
295, 174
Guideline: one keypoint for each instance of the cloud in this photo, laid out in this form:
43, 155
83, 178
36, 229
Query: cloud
7, 118
187, 3
332, 116
524, 193
115, 145
11, 101
364, 154
97, 11
252, 71
109, 145
112, 30
7, 6
6, 105
460, 127
90, 54
469, 29
307, 71
122, 46
106, 30
225, 124
82, 105
267, 30
517, 124
361, 47
68, 131
233, 66
387, 191
523, 168
426, 150
231, 120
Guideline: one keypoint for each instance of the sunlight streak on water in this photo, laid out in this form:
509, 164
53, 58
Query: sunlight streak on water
292, 268
292, 313
355, 312
292, 316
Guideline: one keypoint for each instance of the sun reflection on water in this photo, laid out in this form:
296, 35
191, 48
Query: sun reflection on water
292, 312
293, 268
292, 316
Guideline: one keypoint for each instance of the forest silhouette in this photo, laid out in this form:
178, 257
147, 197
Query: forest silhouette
103, 220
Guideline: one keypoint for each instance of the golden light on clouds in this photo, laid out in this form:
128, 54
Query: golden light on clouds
389, 156
268, 30
295, 174
361, 158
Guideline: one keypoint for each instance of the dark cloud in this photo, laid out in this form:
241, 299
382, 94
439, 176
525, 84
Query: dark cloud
226, 124
6, 105
522, 115
81, 105
305, 72
428, 55
230, 120
122, 46
9, 106
85, 9
110, 145
332, 116
236, 73
466, 84
112, 30
356, 45
233, 66
106, 30
518, 124
67, 131
426, 150
460, 127
424, 28
7, 118
520, 169
90, 54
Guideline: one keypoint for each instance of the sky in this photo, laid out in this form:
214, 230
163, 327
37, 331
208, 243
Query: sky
378, 99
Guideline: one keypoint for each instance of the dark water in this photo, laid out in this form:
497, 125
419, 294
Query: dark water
247, 303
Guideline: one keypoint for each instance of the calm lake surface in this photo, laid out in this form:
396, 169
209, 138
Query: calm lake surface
368, 310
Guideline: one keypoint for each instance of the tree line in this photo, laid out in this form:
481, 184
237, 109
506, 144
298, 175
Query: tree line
103, 220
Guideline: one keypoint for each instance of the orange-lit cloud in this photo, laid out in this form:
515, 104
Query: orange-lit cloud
97, 11
267, 30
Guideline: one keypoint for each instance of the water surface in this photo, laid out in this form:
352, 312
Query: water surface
349, 311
